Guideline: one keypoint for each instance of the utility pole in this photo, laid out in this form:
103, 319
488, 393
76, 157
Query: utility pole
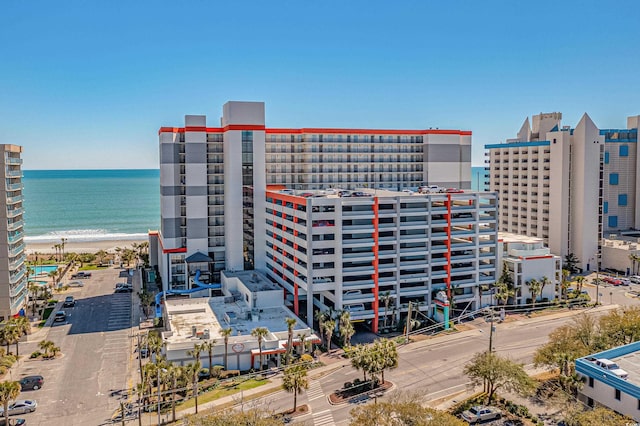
140, 360
122, 411
493, 327
408, 326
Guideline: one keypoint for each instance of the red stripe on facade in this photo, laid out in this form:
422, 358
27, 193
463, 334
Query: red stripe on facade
243, 127
376, 288
537, 257
448, 279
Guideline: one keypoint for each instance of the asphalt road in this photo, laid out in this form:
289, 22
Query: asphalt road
434, 368
84, 386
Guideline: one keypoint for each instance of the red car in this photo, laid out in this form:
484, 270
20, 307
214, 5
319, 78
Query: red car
454, 191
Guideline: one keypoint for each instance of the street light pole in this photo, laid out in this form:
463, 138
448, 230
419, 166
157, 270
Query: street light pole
158, 384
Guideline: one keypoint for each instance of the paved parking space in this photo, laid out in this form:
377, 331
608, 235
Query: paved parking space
85, 385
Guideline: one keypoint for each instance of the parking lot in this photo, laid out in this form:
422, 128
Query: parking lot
85, 384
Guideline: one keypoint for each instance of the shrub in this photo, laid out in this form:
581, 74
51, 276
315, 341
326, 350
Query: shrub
347, 385
35, 354
229, 373
306, 358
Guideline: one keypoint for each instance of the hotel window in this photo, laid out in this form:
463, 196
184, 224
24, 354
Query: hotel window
605, 207
622, 199
606, 158
618, 394
613, 221
624, 151
590, 382
613, 179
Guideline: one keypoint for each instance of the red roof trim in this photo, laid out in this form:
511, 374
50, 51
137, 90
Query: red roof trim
170, 250
538, 257
313, 130
370, 131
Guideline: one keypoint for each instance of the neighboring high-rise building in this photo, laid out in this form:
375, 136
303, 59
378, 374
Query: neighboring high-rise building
13, 277
213, 179
568, 186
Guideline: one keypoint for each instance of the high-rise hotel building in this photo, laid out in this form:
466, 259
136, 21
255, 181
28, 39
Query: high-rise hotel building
568, 186
13, 276
214, 183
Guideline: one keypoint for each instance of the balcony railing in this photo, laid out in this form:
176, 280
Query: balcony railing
13, 186
14, 226
14, 212
16, 250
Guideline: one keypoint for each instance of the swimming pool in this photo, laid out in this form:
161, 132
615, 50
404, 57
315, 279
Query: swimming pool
43, 269
41, 283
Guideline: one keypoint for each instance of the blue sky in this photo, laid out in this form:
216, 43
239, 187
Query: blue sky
87, 84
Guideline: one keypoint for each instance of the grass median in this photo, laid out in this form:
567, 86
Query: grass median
224, 390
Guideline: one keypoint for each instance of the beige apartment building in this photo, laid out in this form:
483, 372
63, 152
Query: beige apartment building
569, 186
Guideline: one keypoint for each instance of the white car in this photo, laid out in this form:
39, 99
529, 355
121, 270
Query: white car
21, 407
612, 367
635, 279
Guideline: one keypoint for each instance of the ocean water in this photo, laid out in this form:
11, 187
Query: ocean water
90, 205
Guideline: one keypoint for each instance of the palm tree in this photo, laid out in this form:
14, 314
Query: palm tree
385, 297
320, 317
192, 370
260, 333
564, 284
100, 255
534, 288
195, 352
46, 346
54, 276
580, 282
176, 372
154, 343
503, 293
543, 282
34, 289
295, 380
8, 392
11, 335
346, 327
226, 332
329, 325
291, 322
303, 337
208, 346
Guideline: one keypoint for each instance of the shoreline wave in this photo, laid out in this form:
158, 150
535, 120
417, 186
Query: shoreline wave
84, 235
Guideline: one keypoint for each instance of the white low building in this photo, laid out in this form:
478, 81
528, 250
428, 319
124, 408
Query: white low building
249, 301
603, 387
527, 258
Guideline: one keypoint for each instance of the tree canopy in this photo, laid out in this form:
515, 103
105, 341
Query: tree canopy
401, 409
498, 373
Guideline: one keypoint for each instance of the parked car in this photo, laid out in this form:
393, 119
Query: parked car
480, 413
81, 274
612, 367
31, 382
21, 407
635, 279
124, 288
69, 302
13, 422
61, 316
75, 284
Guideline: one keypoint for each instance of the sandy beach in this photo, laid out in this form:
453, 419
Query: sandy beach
81, 246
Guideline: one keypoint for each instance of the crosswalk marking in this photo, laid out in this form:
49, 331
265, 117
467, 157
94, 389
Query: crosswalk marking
314, 391
323, 418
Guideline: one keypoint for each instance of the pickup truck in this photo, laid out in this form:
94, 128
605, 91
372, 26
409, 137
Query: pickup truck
81, 274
